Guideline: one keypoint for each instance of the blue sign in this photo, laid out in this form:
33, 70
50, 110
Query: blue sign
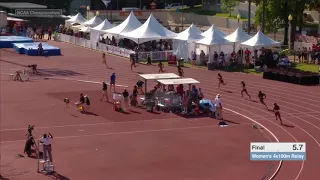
278, 156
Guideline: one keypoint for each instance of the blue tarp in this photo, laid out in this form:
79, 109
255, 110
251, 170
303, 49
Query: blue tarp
203, 102
31, 49
7, 41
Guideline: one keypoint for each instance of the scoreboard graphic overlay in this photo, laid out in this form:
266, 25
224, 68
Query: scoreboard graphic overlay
262, 151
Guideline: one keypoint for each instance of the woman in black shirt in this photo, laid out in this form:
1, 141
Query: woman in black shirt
135, 93
140, 86
125, 95
87, 102
104, 91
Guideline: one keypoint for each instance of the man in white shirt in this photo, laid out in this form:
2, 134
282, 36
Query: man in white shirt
218, 104
46, 142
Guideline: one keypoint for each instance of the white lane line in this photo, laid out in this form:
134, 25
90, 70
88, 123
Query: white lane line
270, 132
92, 124
133, 132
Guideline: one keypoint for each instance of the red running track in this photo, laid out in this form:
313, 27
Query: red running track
175, 148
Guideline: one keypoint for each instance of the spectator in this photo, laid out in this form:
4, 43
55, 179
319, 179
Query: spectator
87, 103
194, 94
140, 86
194, 58
40, 49
104, 91
125, 95
218, 104
49, 33
113, 82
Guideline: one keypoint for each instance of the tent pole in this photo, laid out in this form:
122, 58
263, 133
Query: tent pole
209, 56
137, 51
254, 55
242, 65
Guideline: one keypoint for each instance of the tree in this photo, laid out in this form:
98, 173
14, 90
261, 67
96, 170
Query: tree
269, 21
315, 5
229, 5
275, 9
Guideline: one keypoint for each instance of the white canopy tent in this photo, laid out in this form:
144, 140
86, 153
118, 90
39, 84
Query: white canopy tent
128, 25
104, 25
95, 21
77, 27
75, 19
189, 81
192, 33
211, 29
237, 37
84, 29
183, 44
150, 30
147, 77
260, 40
96, 32
178, 81
215, 42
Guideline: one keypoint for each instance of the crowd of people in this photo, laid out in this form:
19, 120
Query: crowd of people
161, 45
71, 32
38, 33
309, 55
190, 99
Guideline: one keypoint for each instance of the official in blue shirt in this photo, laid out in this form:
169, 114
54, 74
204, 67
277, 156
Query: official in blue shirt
113, 82
194, 94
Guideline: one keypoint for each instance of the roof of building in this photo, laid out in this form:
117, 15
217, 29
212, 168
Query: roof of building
22, 5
